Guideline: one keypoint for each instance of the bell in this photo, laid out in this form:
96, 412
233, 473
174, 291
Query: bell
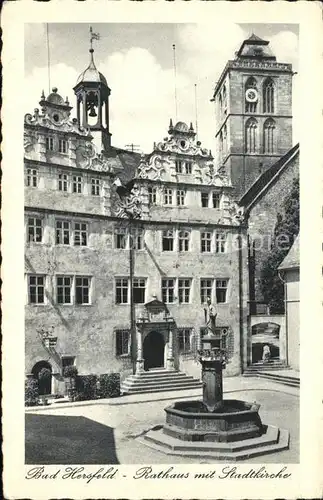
92, 112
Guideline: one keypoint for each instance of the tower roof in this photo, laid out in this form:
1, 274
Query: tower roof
255, 47
91, 74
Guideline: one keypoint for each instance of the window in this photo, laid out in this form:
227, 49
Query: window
62, 232
216, 200
152, 193
137, 238
184, 290
251, 136
168, 196
220, 239
139, 290
184, 336
221, 144
269, 132
122, 291
188, 167
31, 178
224, 93
221, 290
64, 289
183, 241
180, 198
95, 187
168, 240
36, 289
67, 361
35, 229
251, 107
120, 238
205, 200
50, 143
168, 290
77, 184
178, 166
63, 182
224, 139
268, 96
82, 290
80, 234
122, 342
206, 289
62, 146
206, 239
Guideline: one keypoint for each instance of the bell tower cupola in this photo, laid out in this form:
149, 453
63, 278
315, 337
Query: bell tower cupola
92, 101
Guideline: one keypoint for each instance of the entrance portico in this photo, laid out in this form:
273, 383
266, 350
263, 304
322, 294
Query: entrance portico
155, 337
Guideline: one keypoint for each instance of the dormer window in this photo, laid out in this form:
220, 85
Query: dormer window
50, 143
188, 167
178, 166
62, 146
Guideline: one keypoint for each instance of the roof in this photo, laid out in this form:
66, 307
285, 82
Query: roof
129, 160
257, 39
91, 74
291, 260
267, 177
55, 98
255, 47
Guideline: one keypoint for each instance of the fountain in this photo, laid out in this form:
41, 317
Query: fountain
215, 427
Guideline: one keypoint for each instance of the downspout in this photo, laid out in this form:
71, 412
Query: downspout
281, 276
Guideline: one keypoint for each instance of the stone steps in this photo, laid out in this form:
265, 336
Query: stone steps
270, 373
272, 441
158, 381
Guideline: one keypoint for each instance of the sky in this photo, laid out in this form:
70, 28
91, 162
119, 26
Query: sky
137, 61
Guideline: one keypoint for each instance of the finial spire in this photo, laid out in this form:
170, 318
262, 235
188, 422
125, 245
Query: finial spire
93, 36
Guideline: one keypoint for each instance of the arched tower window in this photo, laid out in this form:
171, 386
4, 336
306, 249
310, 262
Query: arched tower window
268, 96
269, 136
224, 98
251, 132
224, 137
251, 101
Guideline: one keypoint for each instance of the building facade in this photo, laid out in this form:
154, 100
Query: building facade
253, 108
118, 282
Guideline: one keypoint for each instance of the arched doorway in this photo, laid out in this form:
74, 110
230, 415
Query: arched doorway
153, 350
40, 372
265, 334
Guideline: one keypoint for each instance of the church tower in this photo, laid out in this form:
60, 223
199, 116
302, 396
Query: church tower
92, 102
253, 106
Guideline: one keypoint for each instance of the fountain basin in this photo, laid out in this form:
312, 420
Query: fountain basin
233, 421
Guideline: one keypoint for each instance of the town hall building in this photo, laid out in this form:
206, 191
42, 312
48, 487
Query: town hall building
124, 250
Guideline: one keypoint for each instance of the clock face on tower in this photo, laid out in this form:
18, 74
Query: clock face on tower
251, 95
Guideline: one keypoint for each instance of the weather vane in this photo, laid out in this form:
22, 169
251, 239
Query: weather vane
93, 36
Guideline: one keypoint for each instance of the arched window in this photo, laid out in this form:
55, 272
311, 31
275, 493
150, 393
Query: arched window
220, 103
251, 136
250, 106
268, 96
269, 136
224, 98
224, 136
221, 144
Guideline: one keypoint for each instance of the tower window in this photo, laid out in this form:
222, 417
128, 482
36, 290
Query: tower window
251, 136
269, 132
251, 105
268, 96
62, 146
50, 143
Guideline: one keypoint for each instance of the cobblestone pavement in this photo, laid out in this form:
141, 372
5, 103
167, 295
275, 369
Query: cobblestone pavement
118, 425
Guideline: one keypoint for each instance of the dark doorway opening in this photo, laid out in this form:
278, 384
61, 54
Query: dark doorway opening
42, 371
153, 348
265, 334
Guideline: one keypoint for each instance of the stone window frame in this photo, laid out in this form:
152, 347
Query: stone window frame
168, 196
220, 241
206, 242
251, 107
43, 286
216, 195
71, 287
140, 284
77, 184
180, 197
40, 226
182, 289
95, 186
179, 166
136, 238
31, 177
269, 125
204, 294
83, 289
251, 136
221, 288
152, 195
168, 235
184, 240
82, 233
63, 180
205, 194
124, 342
189, 334
123, 286
268, 95
168, 291
62, 145
50, 143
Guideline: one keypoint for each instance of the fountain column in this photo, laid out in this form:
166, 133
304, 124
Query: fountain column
139, 361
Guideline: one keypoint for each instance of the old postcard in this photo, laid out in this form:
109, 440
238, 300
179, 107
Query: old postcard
161, 276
